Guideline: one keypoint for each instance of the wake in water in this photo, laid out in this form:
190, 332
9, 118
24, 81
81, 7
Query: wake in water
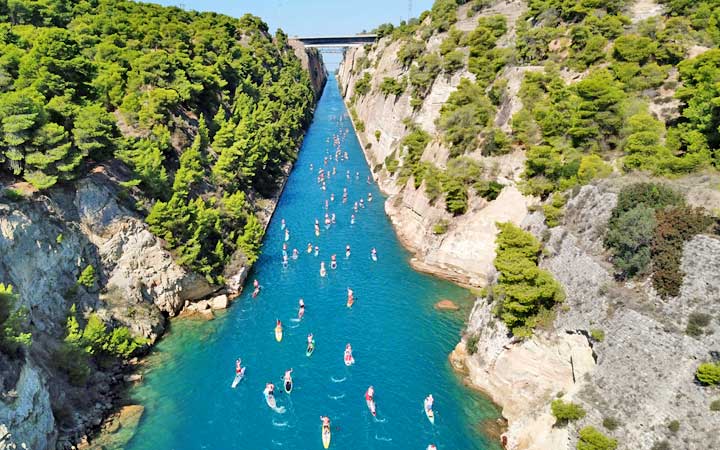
294, 319
279, 424
384, 439
279, 409
336, 380
336, 397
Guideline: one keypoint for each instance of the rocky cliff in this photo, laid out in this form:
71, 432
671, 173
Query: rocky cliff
46, 240
640, 375
617, 349
464, 253
312, 62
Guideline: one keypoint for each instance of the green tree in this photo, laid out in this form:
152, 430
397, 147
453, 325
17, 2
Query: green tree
592, 439
629, 238
13, 322
565, 412
249, 242
87, 277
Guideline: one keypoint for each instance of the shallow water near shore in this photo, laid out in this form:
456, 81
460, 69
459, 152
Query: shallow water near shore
400, 342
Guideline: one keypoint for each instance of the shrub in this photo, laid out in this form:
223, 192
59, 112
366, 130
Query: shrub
675, 226
611, 423
652, 195
453, 61
696, 323
634, 48
715, 405
597, 335
472, 344
12, 194
566, 412
674, 426
377, 135
465, 114
708, 374
554, 210
14, 323
423, 74
629, 239
524, 289
391, 163
409, 51
393, 86
592, 439
362, 86
441, 227
489, 190
661, 445
87, 277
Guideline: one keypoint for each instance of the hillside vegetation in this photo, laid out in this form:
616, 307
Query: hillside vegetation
205, 109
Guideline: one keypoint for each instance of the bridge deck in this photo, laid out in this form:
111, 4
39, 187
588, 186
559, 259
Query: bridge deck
337, 41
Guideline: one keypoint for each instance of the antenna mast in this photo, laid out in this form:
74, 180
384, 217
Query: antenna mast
409, 16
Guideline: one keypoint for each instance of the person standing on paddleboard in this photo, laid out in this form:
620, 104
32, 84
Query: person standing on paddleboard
301, 310
238, 366
287, 379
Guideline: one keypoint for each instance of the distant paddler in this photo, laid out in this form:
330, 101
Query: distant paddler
309, 247
282, 224
427, 406
310, 345
287, 234
350, 298
269, 394
373, 254
333, 262
287, 381
256, 288
370, 400
348, 356
278, 330
239, 372
347, 251
301, 309
323, 271
325, 431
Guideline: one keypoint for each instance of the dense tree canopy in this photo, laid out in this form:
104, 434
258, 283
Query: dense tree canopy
84, 81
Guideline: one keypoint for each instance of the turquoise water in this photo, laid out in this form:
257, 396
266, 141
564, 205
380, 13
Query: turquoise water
400, 343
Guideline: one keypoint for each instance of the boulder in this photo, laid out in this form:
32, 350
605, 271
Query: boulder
446, 305
202, 305
219, 302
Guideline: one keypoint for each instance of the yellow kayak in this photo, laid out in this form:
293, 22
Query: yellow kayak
278, 333
326, 437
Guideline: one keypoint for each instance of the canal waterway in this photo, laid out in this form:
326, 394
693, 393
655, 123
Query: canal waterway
400, 342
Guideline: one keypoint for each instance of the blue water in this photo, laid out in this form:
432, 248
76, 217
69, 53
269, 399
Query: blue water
400, 341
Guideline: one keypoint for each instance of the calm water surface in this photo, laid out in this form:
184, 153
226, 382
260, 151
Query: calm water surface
400, 342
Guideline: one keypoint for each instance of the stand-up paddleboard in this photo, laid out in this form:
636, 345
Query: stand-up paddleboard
310, 349
349, 360
326, 437
350, 301
256, 292
373, 257
270, 400
278, 333
371, 406
288, 386
238, 377
430, 415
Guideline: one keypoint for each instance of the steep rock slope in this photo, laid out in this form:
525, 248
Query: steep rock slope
580, 91
463, 253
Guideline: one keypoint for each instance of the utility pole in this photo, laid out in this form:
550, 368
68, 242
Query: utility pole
409, 16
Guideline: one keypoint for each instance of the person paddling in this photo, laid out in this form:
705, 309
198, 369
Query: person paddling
238, 366
348, 357
301, 310
429, 402
256, 286
287, 379
370, 400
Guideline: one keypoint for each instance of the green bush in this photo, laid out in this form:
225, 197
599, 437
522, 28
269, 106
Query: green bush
708, 374
377, 135
465, 114
592, 439
453, 61
715, 405
554, 210
87, 277
597, 335
443, 14
96, 339
489, 190
391, 163
423, 73
14, 323
634, 48
409, 51
696, 324
440, 227
629, 238
13, 195
523, 288
674, 426
611, 423
472, 344
362, 86
393, 86
566, 412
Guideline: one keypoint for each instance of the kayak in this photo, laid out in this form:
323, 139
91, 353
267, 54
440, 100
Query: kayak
371, 406
310, 349
326, 437
349, 360
238, 377
288, 386
270, 400
430, 415
278, 333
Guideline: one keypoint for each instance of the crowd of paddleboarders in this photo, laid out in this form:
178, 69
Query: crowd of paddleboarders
324, 175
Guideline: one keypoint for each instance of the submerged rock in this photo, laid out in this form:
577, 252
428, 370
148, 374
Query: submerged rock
446, 305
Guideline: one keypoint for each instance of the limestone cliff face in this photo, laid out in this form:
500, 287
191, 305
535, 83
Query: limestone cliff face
641, 374
466, 251
312, 62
